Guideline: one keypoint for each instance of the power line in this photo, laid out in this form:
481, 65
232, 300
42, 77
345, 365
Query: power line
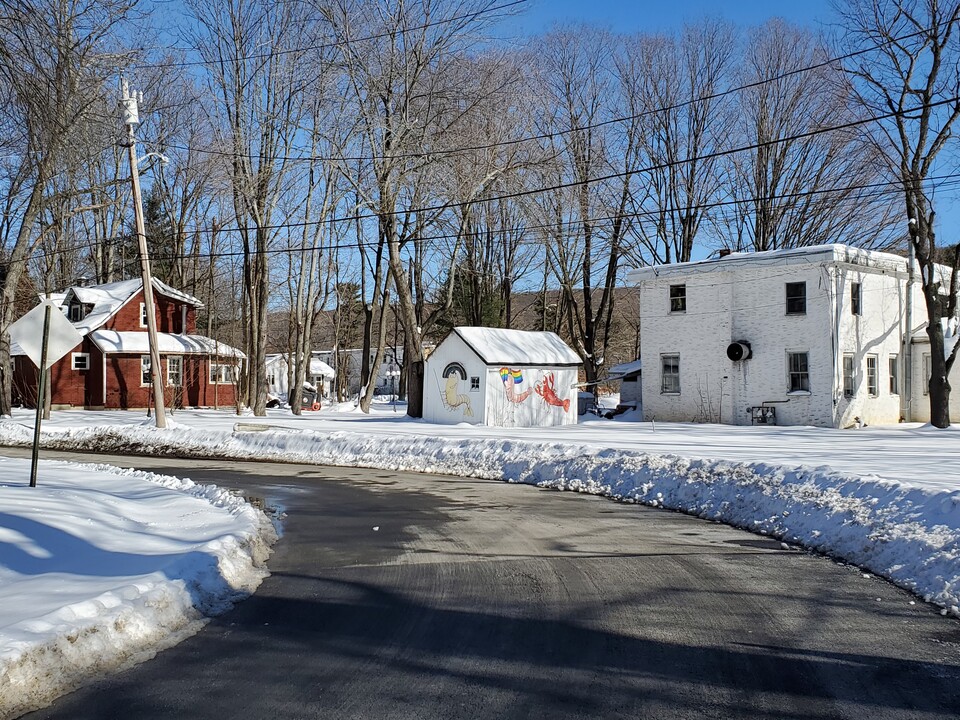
892, 187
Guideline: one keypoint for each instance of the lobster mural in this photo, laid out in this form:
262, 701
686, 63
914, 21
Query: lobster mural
546, 389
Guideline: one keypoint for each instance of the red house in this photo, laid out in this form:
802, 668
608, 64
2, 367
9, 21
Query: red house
110, 369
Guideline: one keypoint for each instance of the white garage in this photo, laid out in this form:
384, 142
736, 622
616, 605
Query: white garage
508, 378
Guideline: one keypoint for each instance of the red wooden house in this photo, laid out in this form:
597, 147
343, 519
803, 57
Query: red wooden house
110, 368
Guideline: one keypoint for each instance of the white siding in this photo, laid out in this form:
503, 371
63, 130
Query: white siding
458, 403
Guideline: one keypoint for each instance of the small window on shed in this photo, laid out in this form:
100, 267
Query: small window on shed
474, 384
856, 299
796, 298
678, 298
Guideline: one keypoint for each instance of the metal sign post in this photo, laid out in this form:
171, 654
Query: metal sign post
42, 374
44, 347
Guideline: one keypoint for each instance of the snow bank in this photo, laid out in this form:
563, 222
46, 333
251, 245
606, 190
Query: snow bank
102, 567
909, 534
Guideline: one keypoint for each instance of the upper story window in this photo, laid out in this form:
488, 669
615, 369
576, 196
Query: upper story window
143, 314
856, 299
678, 298
75, 312
796, 298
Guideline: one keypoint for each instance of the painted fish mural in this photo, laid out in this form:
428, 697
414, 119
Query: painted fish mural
546, 389
512, 378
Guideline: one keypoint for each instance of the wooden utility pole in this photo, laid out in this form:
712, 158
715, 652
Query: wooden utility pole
131, 119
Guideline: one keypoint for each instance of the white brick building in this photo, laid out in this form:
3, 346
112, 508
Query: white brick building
822, 332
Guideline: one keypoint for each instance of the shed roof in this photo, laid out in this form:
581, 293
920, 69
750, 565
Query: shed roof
497, 346
634, 367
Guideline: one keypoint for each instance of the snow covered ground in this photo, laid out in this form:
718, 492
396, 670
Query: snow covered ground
101, 567
887, 499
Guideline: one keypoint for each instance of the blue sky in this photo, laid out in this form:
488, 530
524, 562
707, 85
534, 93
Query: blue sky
634, 15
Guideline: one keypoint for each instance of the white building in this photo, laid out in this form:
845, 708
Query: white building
811, 336
510, 378
348, 362
319, 376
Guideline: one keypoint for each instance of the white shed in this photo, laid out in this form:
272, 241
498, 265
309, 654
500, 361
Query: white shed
509, 378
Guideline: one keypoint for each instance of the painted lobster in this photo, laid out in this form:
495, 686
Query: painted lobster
546, 389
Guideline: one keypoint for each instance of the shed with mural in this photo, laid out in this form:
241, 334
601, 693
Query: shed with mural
507, 378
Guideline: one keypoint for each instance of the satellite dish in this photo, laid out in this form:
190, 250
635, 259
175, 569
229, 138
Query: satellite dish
739, 350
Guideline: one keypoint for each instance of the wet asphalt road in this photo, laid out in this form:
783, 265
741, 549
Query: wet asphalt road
479, 599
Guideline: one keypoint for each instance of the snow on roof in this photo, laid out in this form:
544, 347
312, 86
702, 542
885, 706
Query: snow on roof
624, 369
109, 298
317, 366
111, 341
814, 253
497, 346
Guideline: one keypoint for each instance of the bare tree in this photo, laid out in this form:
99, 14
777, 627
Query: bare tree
675, 86
259, 68
800, 179
913, 81
55, 58
393, 54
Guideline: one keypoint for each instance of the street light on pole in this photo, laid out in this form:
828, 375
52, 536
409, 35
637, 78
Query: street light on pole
393, 373
131, 118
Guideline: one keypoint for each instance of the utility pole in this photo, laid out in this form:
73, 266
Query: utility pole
131, 118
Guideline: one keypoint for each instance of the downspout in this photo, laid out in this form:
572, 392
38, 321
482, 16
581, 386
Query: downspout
906, 399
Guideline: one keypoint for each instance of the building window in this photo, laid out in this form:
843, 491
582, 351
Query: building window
856, 299
678, 298
175, 371
893, 364
927, 373
221, 374
145, 378
796, 298
75, 312
873, 384
474, 384
271, 379
80, 361
143, 314
799, 372
670, 374
849, 379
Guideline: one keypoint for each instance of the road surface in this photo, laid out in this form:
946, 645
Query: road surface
397, 595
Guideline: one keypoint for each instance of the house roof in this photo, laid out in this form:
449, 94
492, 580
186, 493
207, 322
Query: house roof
815, 253
634, 367
317, 366
112, 341
497, 346
109, 298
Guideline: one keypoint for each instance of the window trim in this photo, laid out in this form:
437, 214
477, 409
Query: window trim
474, 383
788, 298
76, 356
664, 376
926, 372
856, 299
170, 361
211, 380
893, 371
678, 301
143, 315
791, 390
145, 371
873, 384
